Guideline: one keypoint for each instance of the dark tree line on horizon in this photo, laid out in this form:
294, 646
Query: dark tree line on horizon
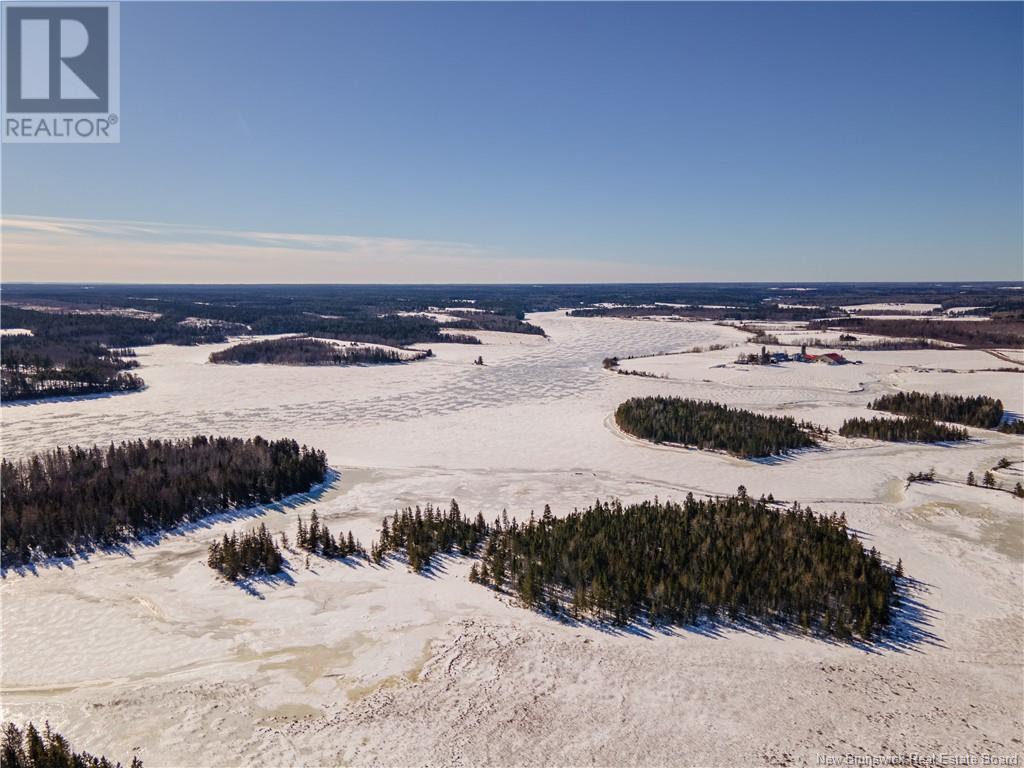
367, 327
76, 498
303, 350
913, 429
80, 326
29, 748
72, 350
72, 354
248, 304
488, 321
976, 411
977, 334
731, 558
699, 312
713, 426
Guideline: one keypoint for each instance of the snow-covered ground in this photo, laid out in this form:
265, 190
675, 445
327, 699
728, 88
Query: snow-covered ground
148, 653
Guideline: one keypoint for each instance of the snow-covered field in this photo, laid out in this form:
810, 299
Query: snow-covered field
146, 652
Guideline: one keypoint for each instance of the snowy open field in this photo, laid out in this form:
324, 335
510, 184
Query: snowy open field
147, 652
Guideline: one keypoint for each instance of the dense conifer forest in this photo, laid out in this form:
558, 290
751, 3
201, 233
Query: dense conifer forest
978, 411
666, 563
254, 553
71, 354
63, 370
1015, 427
424, 533
59, 502
913, 429
306, 351
712, 426
90, 325
29, 748
488, 321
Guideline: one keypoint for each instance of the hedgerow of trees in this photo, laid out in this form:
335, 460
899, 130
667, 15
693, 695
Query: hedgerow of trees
29, 748
56, 503
1015, 427
667, 563
913, 429
713, 426
977, 411
306, 351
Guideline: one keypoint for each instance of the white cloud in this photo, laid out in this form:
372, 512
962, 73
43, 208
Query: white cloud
83, 250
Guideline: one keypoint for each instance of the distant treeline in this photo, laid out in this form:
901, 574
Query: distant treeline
977, 411
488, 321
56, 503
712, 426
80, 354
368, 327
913, 429
72, 351
979, 334
666, 563
31, 749
759, 312
248, 304
110, 330
305, 351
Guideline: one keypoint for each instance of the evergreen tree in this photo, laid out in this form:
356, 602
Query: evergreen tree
669, 563
31, 749
911, 429
979, 411
71, 499
712, 426
253, 553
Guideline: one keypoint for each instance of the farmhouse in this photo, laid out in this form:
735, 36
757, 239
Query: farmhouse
831, 358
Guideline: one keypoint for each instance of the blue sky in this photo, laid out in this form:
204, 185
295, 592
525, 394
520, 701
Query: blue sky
540, 142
